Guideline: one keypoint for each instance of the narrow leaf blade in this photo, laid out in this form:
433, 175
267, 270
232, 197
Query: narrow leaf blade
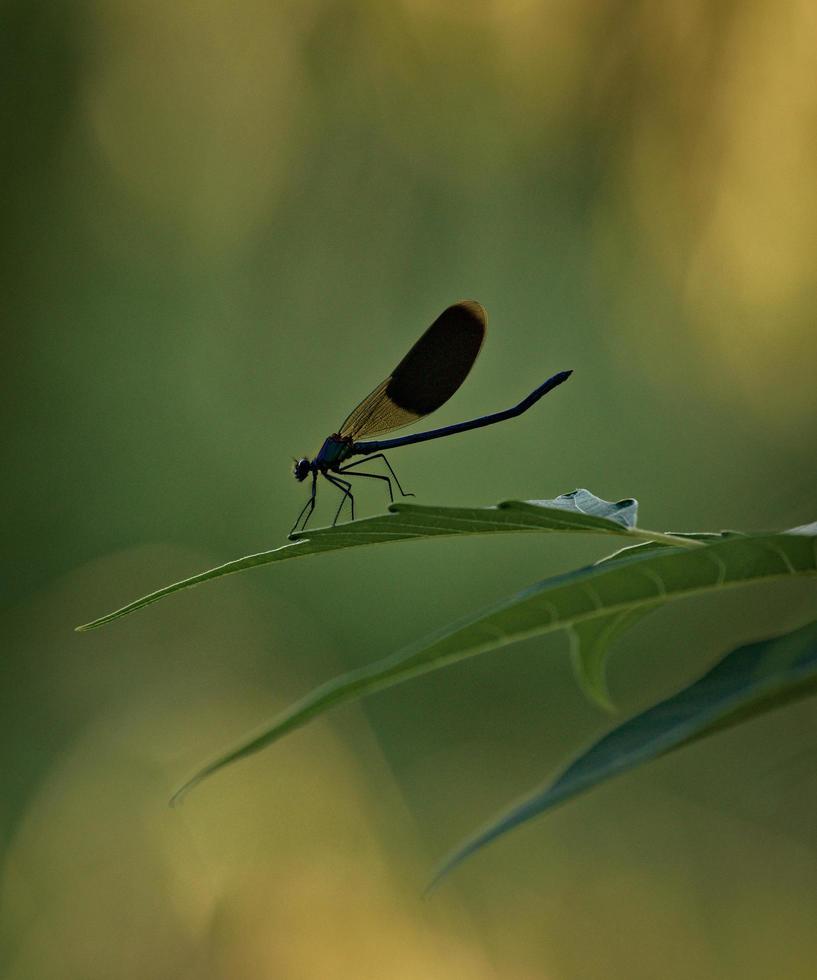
749, 681
578, 511
628, 586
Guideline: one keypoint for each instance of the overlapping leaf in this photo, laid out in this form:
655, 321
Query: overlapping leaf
603, 598
747, 682
579, 511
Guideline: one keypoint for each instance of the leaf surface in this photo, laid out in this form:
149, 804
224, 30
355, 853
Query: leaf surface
607, 596
746, 683
579, 511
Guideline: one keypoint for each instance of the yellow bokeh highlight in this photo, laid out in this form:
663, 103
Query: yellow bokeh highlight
197, 110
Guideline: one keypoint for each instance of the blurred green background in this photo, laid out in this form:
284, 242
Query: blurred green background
222, 224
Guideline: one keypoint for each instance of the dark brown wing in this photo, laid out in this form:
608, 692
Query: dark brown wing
426, 377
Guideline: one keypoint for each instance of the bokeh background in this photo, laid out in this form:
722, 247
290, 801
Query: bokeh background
222, 224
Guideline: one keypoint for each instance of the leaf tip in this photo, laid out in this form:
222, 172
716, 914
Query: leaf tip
600, 696
596, 691
436, 879
454, 859
180, 795
430, 888
591, 675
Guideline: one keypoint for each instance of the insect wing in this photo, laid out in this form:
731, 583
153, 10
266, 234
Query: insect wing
427, 376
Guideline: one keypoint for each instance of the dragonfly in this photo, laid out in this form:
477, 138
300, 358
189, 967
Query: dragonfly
425, 379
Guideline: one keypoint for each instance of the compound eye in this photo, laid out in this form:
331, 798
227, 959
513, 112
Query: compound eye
301, 469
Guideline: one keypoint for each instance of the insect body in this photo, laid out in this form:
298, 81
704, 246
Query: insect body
424, 380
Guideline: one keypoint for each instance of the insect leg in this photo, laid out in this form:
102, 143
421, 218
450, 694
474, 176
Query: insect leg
369, 459
373, 476
308, 507
346, 487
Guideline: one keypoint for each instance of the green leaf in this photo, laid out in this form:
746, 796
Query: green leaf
678, 538
749, 681
628, 587
579, 511
590, 642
